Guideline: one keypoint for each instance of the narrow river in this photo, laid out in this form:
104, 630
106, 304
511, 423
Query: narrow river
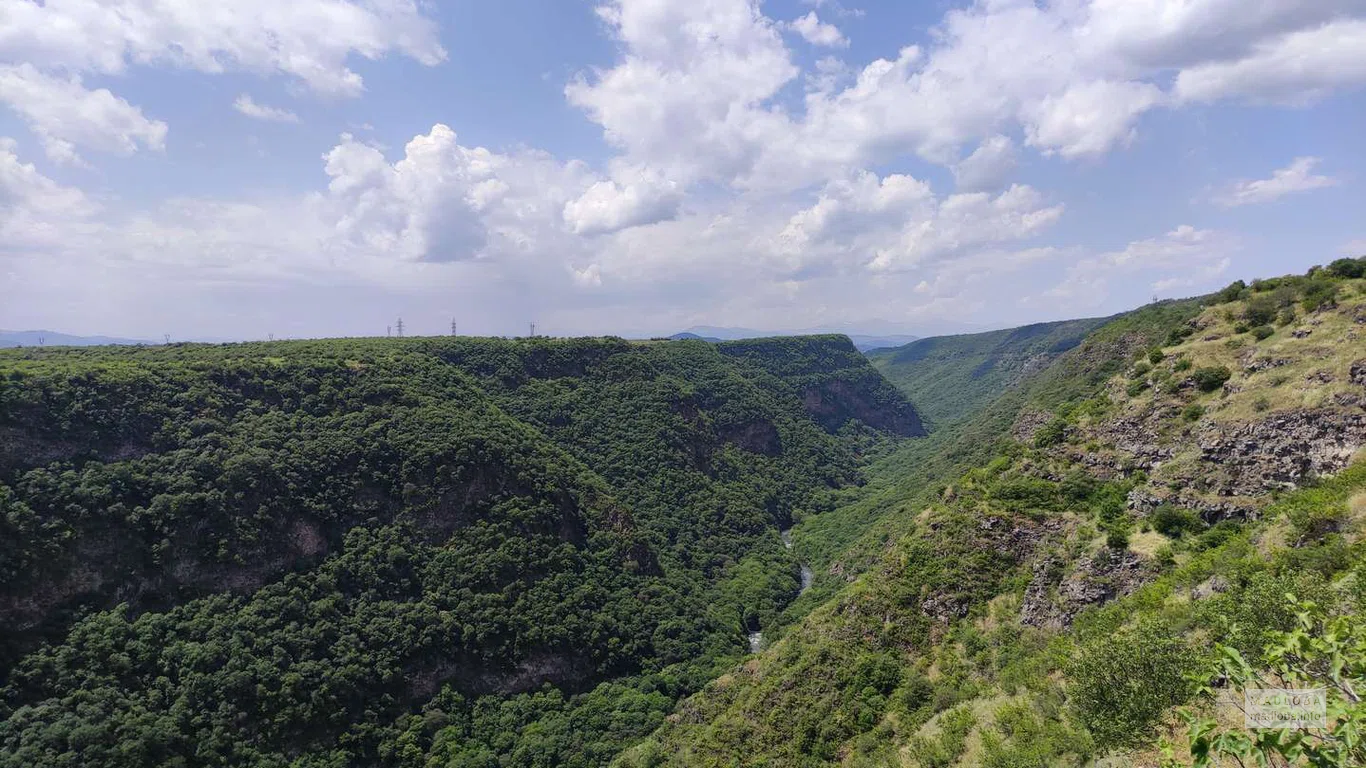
756, 639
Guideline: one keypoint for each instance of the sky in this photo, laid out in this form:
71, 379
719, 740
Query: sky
303, 168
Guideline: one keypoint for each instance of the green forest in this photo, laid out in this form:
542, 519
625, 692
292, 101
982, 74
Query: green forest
465, 552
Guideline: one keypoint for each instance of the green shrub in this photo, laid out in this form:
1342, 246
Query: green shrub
1286, 317
1350, 268
1051, 433
1263, 332
1193, 412
1260, 310
1320, 294
1211, 378
1261, 405
1156, 356
1117, 537
1174, 522
1183, 364
1136, 388
1120, 684
1232, 292
1140, 370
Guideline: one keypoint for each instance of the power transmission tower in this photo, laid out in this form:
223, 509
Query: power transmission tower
388, 331
399, 327
167, 337
454, 332
272, 337
533, 330
42, 341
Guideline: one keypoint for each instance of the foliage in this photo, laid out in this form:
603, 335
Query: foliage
1320, 652
1347, 268
1211, 378
1120, 685
383, 551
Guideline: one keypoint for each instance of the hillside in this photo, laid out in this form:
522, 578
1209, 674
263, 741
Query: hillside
1155, 491
950, 377
389, 551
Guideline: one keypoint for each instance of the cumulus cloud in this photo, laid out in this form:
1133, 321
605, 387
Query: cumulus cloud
248, 106
817, 32
35, 211
1295, 67
897, 223
1182, 258
634, 198
310, 40
1296, 177
988, 167
738, 181
65, 115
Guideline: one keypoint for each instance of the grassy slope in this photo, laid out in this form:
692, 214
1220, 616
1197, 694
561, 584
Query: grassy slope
923, 660
951, 377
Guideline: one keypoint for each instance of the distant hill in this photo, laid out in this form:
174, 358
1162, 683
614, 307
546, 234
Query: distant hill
949, 377
865, 342
685, 336
55, 339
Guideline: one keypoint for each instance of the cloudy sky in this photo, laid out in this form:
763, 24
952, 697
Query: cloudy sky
321, 167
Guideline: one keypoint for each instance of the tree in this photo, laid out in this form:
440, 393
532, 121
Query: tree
1120, 685
1210, 379
1320, 653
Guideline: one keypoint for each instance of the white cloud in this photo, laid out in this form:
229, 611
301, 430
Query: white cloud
817, 32
310, 40
1296, 67
988, 167
1089, 118
65, 115
1182, 258
1296, 177
897, 224
35, 211
247, 106
634, 198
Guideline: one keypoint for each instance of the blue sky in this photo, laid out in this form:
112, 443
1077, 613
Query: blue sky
321, 167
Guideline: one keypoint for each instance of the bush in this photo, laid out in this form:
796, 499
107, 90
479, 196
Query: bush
1136, 388
1155, 356
1320, 294
1349, 268
1260, 311
1051, 433
1117, 538
1194, 412
1175, 522
1212, 378
1120, 685
1140, 370
1263, 332
1286, 317
1182, 365
1233, 292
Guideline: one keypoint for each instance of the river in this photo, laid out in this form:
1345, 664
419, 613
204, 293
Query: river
756, 639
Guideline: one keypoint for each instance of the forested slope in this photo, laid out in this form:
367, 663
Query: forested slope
951, 377
1138, 511
378, 551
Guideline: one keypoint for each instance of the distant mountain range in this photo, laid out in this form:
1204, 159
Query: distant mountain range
55, 339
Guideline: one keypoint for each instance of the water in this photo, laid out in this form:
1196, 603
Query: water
756, 639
